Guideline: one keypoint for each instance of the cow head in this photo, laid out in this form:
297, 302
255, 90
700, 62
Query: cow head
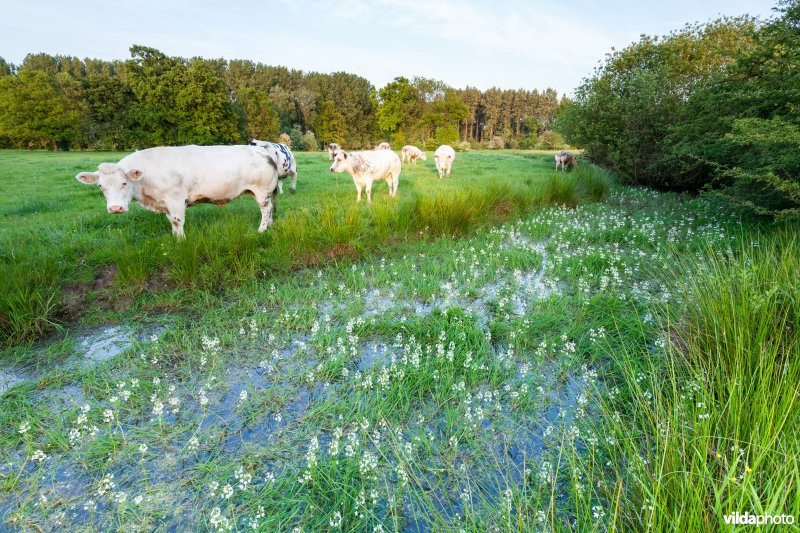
116, 183
341, 162
260, 144
423, 156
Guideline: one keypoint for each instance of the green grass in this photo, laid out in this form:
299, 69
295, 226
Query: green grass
477, 360
58, 237
715, 425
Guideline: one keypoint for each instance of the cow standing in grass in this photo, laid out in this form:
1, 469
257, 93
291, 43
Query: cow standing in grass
564, 158
368, 167
444, 157
287, 166
166, 179
384, 146
412, 153
333, 149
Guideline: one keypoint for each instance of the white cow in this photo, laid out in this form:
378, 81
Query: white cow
412, 153
287, 166
166, 179
384, 146
333, 149
367, 167
444, 156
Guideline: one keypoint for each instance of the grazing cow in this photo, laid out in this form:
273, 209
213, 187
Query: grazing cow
444, 156
166, 179
383, 146
333, 149
564, 158
367, 167
287, 166
412, 153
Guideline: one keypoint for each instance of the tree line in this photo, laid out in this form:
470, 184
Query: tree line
713, 107
62, 102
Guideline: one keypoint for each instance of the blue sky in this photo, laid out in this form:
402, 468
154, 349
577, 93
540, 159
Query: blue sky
508, 44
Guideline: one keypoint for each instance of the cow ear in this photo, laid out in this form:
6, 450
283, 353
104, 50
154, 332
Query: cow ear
344, 155
135, 175
89, 178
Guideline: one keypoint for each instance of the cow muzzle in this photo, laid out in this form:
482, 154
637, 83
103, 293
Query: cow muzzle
116, 209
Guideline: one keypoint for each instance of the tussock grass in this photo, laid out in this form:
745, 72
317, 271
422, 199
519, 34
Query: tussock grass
713, 430
29, 297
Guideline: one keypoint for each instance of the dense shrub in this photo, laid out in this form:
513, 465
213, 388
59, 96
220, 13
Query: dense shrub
496, 143
310, 143
285, 139
550, 140
447, 135
711, 107
463, 146
622, 115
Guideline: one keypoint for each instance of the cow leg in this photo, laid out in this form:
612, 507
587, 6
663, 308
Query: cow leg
176, 214
264, 200
280, 186
369, 191
358, 196
293, 186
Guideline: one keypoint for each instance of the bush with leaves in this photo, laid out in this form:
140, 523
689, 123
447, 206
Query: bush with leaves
310, 143
496, 143
623, 115
550, 140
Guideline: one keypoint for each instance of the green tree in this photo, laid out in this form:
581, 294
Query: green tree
741, 127
206, 113
623, 115
261, 120
398, 108
330, 124
34, 113
447, 134
6, 69
108, 100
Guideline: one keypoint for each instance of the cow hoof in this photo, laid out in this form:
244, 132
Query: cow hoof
293, 191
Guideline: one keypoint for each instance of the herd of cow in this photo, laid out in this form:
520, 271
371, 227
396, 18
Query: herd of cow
167, 179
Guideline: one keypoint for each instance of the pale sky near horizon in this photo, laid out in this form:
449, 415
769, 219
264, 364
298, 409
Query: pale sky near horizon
508, 44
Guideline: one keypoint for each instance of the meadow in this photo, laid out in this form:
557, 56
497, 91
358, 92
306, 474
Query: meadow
508, 350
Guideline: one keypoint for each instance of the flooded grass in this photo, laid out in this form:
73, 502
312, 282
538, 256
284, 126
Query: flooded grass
450, 384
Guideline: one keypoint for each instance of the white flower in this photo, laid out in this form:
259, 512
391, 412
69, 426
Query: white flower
38, 456
24, 427
143, 448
